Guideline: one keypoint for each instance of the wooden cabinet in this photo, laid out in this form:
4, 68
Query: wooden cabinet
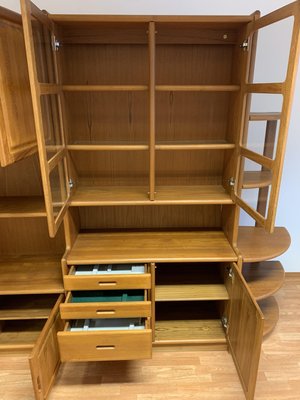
150, 144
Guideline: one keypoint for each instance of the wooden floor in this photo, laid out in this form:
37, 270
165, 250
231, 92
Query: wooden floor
177, 375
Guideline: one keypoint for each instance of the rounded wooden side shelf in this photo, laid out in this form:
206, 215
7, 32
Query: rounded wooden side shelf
264, 278
270, 310
255, 244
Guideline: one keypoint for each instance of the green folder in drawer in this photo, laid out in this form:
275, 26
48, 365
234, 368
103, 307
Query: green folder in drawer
107, 296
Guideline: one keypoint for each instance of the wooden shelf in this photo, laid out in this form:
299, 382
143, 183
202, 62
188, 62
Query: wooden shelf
138, 195
152, 246
197, 88
107, 147
26, 307
255, 244
104, 88
261, 116
270, 310
191, 292
29, 275
264, 278
190, 145
22, 207
200, 331
256, 179
20, 335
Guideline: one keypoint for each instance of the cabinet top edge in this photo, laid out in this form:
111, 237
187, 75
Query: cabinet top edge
235, 20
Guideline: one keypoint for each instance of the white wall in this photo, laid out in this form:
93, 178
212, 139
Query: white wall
288, 210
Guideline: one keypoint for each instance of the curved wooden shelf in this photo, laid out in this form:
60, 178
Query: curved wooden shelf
270, 310
263, 278
255, 244
256, 179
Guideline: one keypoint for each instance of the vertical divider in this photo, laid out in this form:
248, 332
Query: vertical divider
151, 43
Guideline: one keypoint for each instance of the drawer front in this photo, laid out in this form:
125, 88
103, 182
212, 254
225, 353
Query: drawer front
105, 310
107, 282
105, 346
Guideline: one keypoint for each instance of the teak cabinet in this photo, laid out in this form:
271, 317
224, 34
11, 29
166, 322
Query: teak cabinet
150, 144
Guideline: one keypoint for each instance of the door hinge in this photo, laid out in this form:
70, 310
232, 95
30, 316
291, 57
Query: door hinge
225, 323
231, 181
55, 43
71, 184
230, 272
245, 45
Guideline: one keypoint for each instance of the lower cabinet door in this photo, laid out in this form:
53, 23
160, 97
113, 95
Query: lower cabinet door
104, 345
244, 331
45, 359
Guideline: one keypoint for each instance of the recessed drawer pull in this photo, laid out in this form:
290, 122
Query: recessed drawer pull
105, 347
112, 283
106, 311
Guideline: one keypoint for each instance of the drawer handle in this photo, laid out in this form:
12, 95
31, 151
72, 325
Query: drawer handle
112, 283
106, 311
105, 347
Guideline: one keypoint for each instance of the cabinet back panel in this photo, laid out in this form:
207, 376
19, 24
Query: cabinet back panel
189, 167
193, 64
148, 217
193, 116
107, 117
112, 168
21, 178
105, 64
28, 236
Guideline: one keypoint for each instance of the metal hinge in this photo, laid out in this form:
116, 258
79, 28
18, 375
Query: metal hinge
55, 44
245, 45
231, 181
71, 184
230, 272
225, 323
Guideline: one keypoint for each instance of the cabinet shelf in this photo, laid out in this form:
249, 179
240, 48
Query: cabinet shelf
122, 146
190, 292
20, 335
22, 207
256, 179
197, 88
90, 195
261, 116
104, 88
26, 307
264, 278
29, 275
255, 244
270, 310
152, 246
189, 331
195, 145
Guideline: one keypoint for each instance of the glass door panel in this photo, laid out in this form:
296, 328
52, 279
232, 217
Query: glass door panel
46, 97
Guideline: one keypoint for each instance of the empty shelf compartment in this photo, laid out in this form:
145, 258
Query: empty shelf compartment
107, 324
107, 296
109, 269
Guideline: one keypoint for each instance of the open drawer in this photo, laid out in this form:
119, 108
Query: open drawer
101, 340
106, 304
107, 277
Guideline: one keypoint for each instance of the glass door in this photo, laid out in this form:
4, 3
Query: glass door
41, 48
267, 95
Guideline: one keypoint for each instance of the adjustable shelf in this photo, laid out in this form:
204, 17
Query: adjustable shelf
104, 88
191, 292
90, 195
26, 307
20, 335
30, 274
92, 146
156, 246
195, 145
197, 88
261, 116
22, 207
